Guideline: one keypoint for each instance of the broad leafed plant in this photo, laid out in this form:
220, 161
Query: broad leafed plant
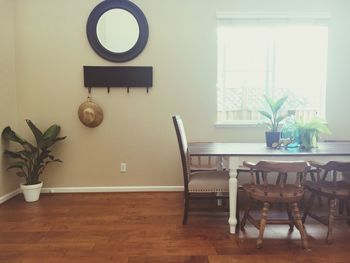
275, 117
31, 160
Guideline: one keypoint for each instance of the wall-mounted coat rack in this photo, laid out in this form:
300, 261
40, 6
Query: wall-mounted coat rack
118, 77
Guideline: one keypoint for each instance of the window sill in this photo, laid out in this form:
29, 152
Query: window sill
239, 124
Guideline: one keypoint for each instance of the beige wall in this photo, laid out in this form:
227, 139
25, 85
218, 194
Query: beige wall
52, 49
8, 105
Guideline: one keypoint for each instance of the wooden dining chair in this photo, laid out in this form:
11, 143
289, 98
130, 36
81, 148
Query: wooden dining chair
313, 171
268, 192
202, 184
331, 185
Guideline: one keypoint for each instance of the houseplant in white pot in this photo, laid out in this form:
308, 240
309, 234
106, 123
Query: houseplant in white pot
32, 159
275, 117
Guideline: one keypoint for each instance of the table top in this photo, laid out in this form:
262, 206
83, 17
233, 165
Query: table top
260, 149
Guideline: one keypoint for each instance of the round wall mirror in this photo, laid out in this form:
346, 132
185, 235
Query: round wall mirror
117, 30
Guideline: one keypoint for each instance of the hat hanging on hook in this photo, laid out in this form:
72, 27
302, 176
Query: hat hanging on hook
90, 113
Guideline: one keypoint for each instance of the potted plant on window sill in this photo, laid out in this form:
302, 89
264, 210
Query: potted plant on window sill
31, 161
274, 119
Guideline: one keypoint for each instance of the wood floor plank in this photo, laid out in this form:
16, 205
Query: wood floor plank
146, 227
169, 259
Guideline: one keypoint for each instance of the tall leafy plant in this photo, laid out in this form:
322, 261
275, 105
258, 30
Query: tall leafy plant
31, 160
274, 116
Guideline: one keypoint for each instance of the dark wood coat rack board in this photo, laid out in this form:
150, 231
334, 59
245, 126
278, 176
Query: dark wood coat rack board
118, 77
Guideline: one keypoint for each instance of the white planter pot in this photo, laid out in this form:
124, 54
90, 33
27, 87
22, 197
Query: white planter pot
31, 192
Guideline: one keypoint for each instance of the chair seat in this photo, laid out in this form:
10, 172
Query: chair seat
326, 187
208, 181
274, 194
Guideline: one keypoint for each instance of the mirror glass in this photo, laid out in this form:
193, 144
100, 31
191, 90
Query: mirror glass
117, 30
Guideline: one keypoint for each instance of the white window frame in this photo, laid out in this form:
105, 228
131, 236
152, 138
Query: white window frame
320, 18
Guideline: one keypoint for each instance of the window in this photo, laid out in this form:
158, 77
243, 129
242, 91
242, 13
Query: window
276, 56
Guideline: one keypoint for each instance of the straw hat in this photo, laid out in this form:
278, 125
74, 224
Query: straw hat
90, 113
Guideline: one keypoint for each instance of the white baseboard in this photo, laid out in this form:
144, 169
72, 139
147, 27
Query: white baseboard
107, 189
9, 195
112, 189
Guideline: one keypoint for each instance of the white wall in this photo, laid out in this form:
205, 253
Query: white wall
8, 104
52, 48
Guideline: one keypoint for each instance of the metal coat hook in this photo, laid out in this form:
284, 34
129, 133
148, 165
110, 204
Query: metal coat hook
89, 90
108, 89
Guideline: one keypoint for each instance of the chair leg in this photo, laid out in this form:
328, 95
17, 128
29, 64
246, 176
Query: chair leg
186, 206
313, 178
332, 207
308, 207
263, 220
246, 213
278, 180
237, 216
347, 203
257, 176
291, 219
299, 225
341, 207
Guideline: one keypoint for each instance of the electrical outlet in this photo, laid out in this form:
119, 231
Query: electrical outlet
123, 167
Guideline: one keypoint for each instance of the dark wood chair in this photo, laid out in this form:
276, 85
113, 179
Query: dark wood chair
202, 184
270, 193
329, 184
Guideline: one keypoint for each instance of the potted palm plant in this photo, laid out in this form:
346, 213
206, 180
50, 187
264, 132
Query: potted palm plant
274, 117
31, 160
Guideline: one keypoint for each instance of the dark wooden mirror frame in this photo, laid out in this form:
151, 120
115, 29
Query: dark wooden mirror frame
93, 19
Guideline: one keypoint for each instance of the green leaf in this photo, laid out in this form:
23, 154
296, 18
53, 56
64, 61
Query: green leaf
266, 114
279, 103
36, 132
60, 138
21, 174
53, 161
18, 165
44, 154
9, 134
49, 136
271, 103
14, 155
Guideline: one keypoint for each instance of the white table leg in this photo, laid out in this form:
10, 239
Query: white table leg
233, 164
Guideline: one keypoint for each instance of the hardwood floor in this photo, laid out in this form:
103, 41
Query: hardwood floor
146, 228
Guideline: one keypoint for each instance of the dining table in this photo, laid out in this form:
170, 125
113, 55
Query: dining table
254, 152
